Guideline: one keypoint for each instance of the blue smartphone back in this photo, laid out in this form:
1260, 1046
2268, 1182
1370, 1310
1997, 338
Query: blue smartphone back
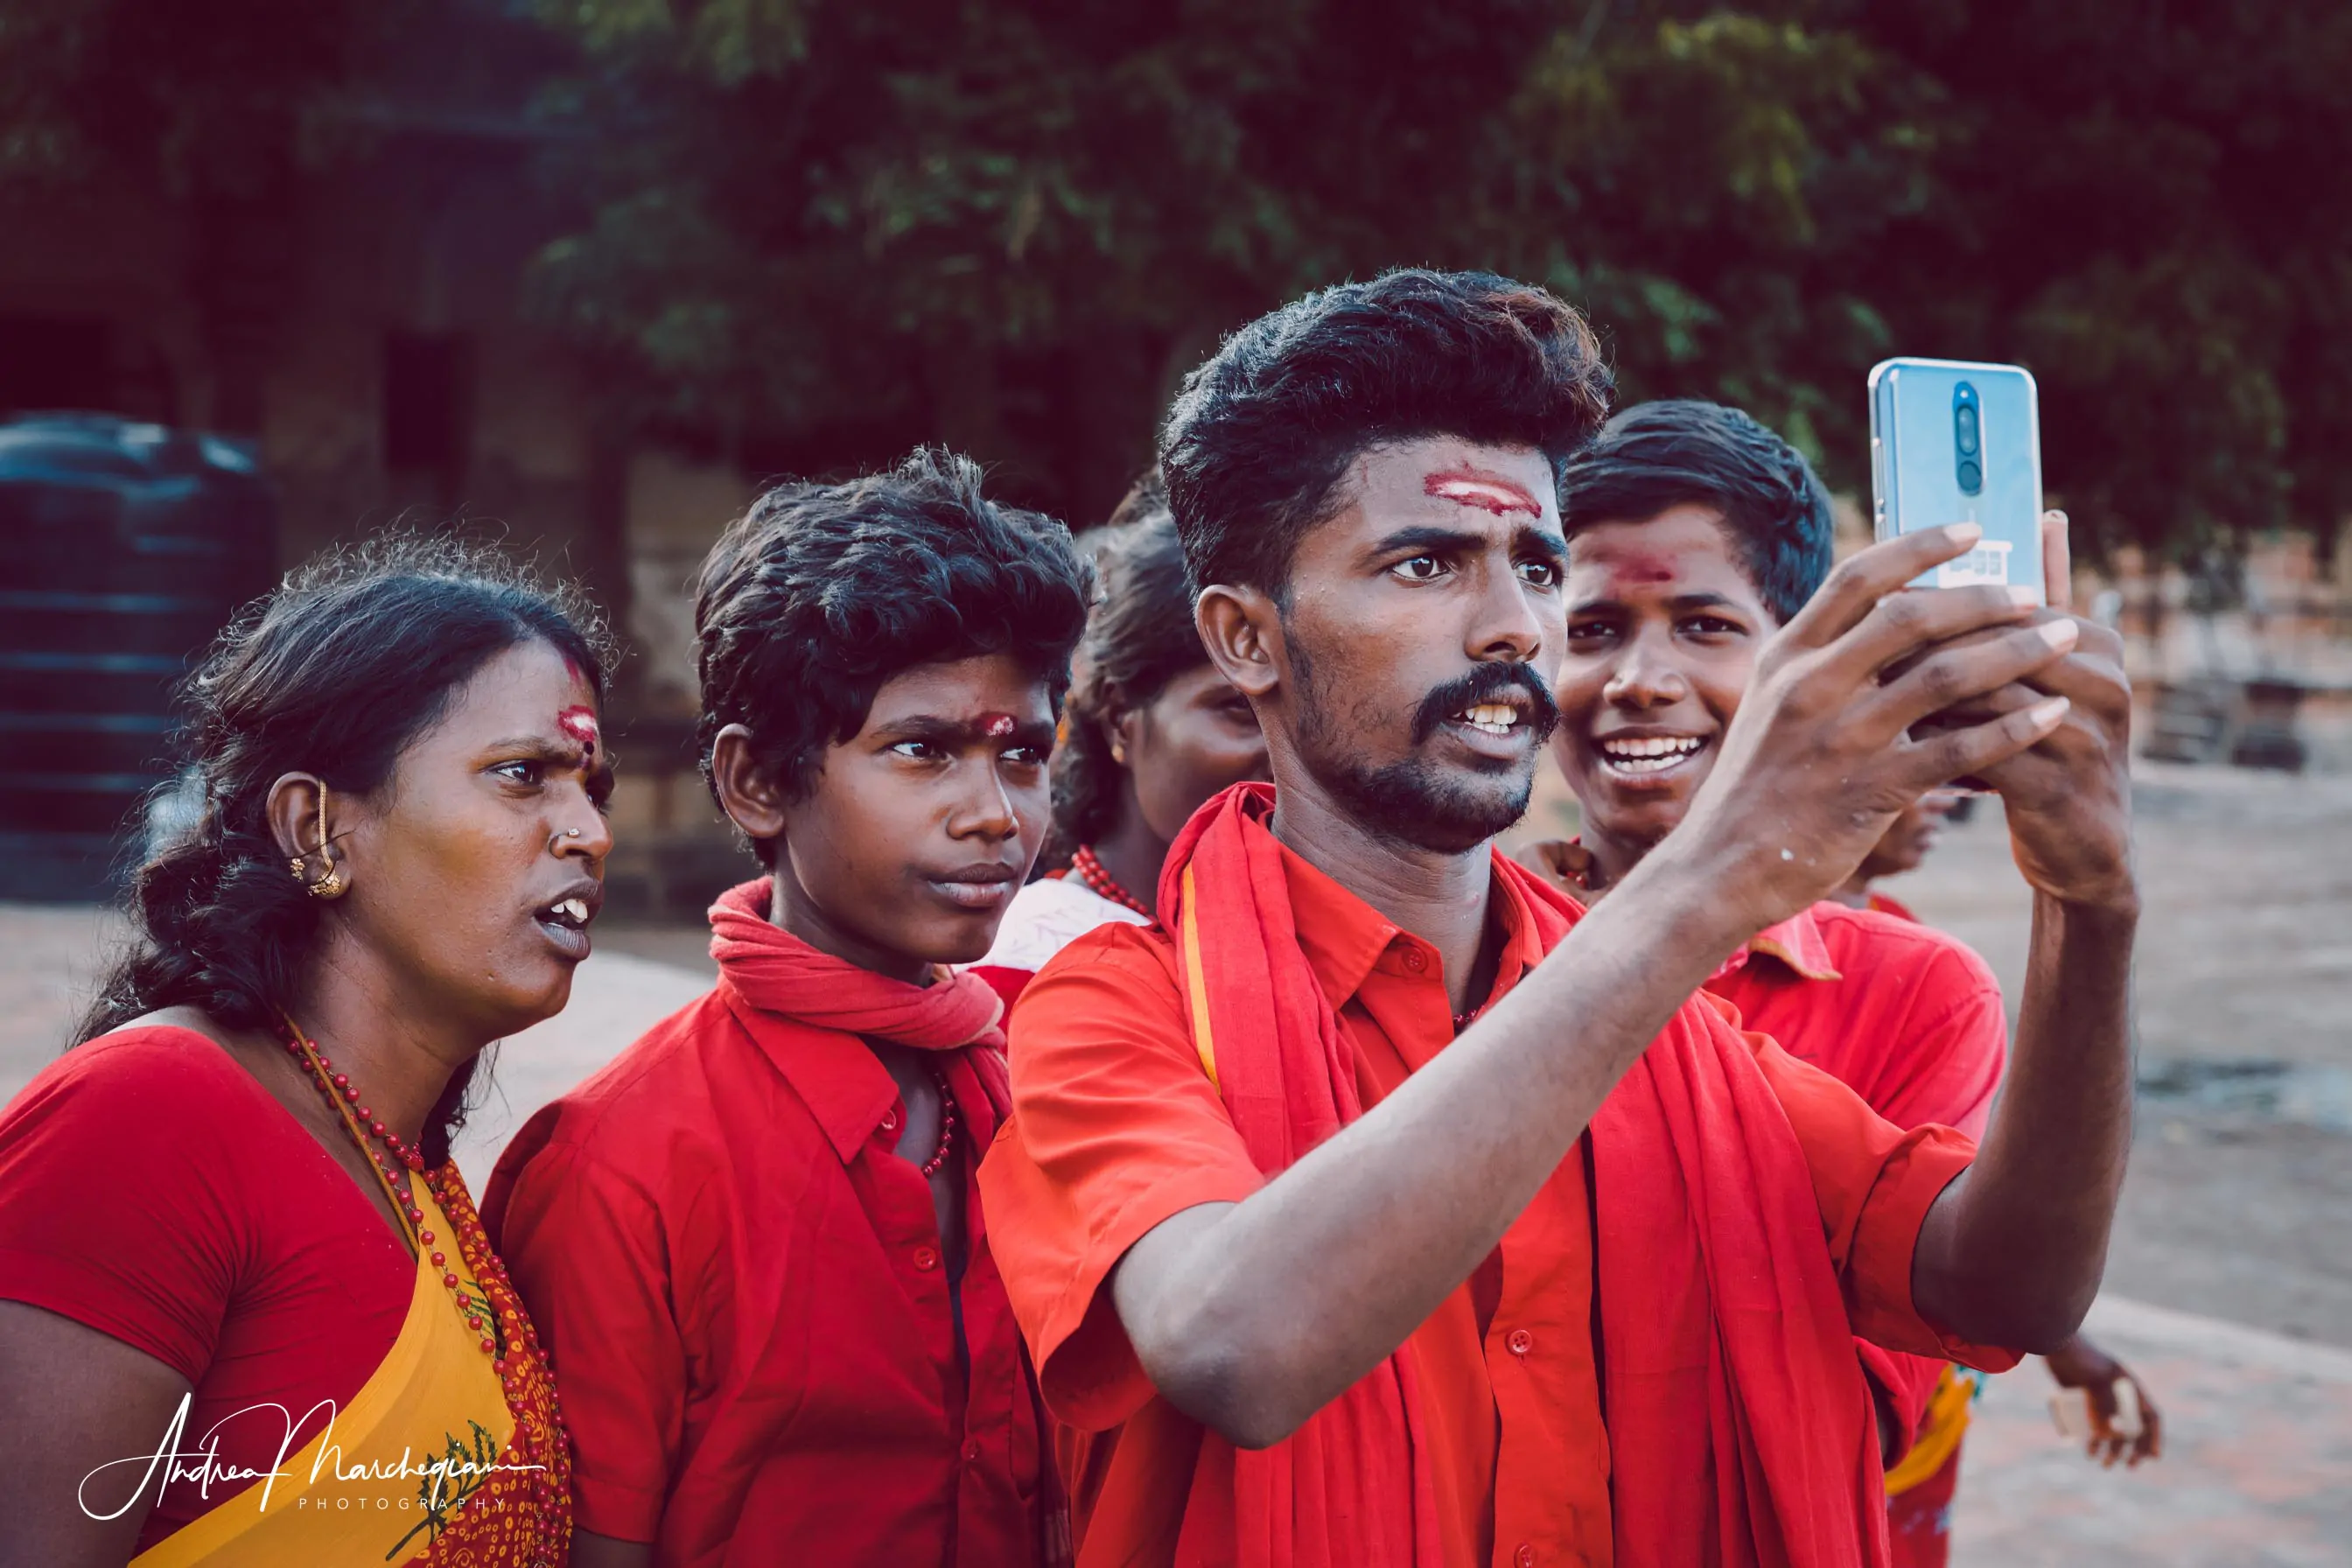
1952, 441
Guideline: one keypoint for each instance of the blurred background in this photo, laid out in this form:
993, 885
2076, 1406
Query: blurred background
580, 274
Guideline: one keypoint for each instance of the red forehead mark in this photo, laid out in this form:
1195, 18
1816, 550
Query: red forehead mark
996, 726
571, 667
1485, 491
1640, 569
579, 721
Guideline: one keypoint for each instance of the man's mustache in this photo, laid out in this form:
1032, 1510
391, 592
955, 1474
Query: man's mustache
1487, 683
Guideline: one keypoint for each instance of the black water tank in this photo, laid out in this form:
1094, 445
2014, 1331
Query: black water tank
124, 548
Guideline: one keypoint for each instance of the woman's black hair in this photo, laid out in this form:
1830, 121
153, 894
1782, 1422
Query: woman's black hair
819, 594
336, 674
1138, 639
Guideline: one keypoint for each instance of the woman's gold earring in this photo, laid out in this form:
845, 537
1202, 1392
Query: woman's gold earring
337, 881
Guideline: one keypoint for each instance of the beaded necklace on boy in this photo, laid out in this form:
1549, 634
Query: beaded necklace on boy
932, 1166
1101, 883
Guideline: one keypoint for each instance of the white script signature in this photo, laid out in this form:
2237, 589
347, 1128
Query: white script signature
202, 1465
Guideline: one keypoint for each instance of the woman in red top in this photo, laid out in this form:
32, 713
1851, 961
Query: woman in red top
1149, 732
247, 1314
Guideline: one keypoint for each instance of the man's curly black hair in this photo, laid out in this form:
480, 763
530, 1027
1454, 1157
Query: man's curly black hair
1680, 451
1261, 435
820, 593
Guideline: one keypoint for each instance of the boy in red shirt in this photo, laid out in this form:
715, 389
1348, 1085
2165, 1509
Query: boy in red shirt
753, 1242
1693, 534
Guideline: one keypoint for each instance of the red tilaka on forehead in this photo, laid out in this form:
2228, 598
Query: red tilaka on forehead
1636, 566
1487, 492
996, 726
579, 721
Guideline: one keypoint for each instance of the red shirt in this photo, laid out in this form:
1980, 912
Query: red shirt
1909, 1017
150, 1189
741, 1287
1116, 1128
1905, 1015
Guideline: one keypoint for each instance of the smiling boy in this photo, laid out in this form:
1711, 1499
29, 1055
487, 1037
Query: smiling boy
1694, 535
752, 1241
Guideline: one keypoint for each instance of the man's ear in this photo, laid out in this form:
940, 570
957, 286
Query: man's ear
1242, 630
752, 800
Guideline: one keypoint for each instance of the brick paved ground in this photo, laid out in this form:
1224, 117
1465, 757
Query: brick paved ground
2234, 1246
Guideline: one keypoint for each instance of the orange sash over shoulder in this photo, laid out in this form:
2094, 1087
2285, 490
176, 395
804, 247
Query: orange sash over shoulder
433, 1462
1728, 1362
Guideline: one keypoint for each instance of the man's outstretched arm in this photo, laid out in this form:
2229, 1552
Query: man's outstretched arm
1251, 1316
2012, 1253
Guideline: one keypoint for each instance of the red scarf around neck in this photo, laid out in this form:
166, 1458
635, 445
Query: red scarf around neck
778, 972
1739, 1430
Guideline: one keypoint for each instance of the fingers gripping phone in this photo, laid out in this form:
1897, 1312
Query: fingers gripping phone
1951, 442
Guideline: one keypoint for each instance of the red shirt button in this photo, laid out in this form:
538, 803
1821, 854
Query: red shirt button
972, 1452
926, 1260
890, 1121
1521, 1342
1526, 1557
1414, 961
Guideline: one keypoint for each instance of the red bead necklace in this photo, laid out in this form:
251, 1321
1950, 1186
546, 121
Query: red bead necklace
1101, 883
393, 1165
938, 1161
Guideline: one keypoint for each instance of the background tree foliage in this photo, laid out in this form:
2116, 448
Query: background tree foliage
830, 227
813, 232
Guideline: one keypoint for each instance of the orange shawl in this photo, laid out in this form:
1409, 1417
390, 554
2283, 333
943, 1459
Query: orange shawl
1739, 1430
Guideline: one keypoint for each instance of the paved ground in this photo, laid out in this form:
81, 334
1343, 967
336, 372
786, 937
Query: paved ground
2233, 1251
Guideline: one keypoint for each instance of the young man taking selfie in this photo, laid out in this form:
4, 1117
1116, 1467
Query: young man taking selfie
1379, 1205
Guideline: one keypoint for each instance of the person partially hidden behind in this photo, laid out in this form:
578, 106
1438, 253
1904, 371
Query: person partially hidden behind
1379, 1205
752, 1239
231, 1234
1693, 534
1151, 730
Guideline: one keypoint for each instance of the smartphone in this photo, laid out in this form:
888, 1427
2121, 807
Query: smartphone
1952, 441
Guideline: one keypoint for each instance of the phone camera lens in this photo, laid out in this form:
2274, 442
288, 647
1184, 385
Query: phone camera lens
1972, 475
1966, 420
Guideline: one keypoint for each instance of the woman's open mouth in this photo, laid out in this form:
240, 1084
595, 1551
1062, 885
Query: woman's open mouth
564, 923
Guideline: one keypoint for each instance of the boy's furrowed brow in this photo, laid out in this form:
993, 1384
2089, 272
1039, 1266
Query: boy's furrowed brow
941, 730
540, 749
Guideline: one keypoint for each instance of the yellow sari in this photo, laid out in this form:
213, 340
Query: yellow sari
438, 1460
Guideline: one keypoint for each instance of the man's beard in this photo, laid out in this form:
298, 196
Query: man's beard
1414, 800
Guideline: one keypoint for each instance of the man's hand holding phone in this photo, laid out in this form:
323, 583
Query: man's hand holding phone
2068, 795
1833, 741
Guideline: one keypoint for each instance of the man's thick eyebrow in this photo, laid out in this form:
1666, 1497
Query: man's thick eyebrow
1427, 539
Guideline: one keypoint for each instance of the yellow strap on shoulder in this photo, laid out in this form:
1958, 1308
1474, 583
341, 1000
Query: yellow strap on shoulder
1196, 987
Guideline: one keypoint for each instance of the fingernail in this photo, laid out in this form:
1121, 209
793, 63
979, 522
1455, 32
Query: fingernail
2022, 594
2059, 633
1964, 533
2049, 711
